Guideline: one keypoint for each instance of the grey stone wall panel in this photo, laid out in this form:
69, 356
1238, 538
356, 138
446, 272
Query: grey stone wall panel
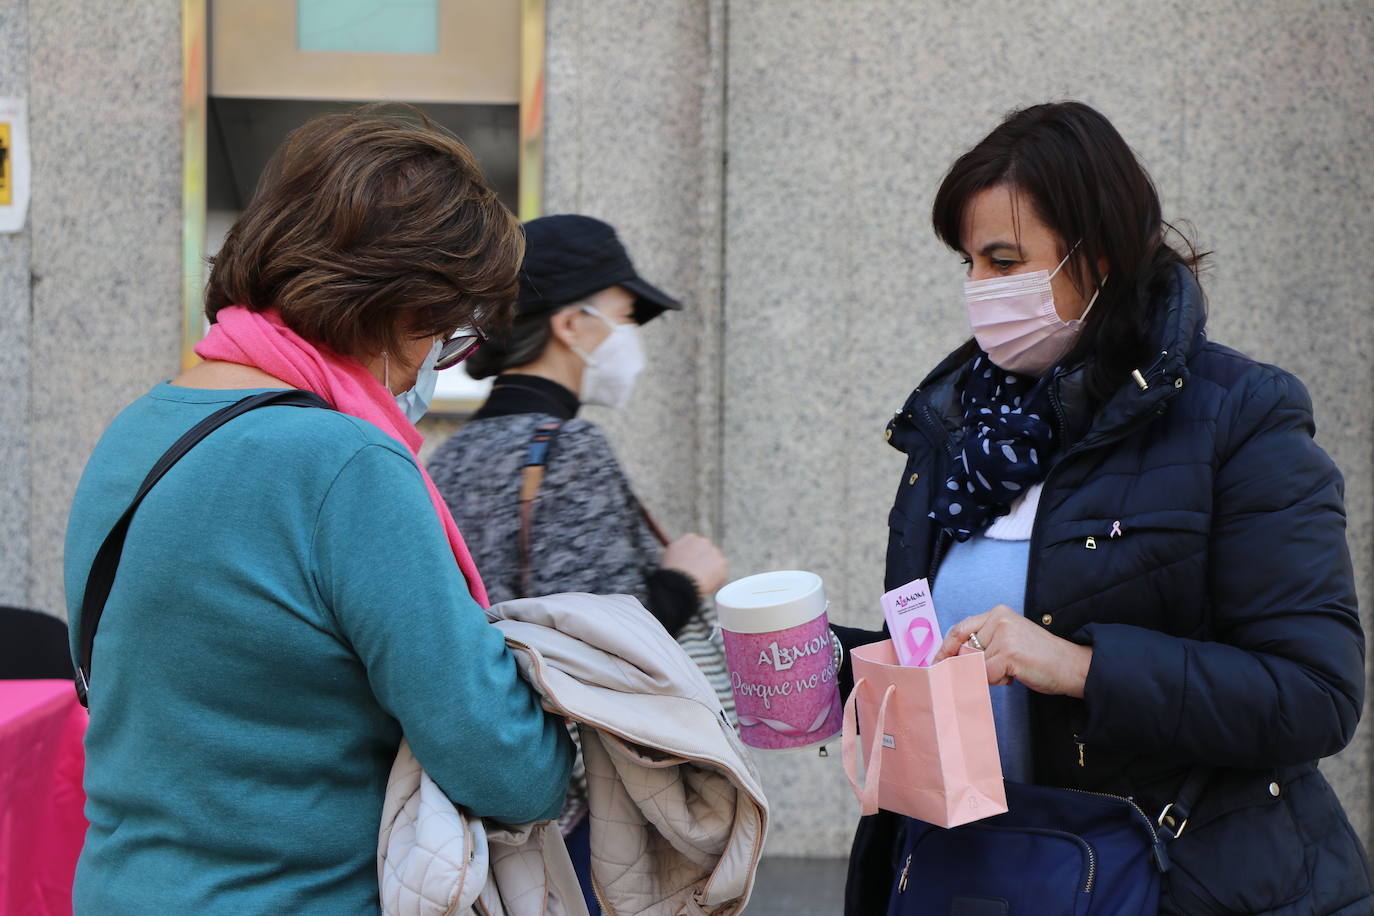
105, 119
14, 344
630, 142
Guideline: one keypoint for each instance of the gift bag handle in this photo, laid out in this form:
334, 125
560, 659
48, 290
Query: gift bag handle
849, 744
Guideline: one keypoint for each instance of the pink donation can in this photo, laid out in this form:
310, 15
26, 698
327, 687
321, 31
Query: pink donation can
781, 659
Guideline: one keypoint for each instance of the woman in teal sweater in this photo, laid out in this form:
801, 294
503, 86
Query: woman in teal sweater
291, 598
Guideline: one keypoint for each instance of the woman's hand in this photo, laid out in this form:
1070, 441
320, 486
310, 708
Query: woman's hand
698, 558
1015, 649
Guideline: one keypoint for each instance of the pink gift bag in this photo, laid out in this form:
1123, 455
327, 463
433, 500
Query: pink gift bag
930, 746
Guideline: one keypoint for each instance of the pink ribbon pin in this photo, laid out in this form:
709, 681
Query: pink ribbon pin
1116, 530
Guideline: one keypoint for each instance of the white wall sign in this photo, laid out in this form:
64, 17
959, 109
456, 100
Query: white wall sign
14, 165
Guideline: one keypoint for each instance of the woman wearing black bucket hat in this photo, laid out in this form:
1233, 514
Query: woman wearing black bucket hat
541, 499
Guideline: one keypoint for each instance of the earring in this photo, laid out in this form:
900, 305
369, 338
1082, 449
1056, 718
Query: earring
386, 370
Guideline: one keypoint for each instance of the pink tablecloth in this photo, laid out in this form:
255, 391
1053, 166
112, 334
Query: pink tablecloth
41, 821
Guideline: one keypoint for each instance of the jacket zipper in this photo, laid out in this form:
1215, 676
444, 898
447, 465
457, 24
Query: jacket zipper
1037, 526
601, 726
930, 420
942, 537
942, 541
1058, 406
596, 892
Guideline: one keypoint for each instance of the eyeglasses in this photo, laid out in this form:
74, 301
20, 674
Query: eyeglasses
462, 344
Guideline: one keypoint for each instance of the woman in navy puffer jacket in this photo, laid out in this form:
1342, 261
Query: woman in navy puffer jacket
1136, 526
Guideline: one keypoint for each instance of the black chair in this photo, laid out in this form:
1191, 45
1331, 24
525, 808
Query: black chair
33, 645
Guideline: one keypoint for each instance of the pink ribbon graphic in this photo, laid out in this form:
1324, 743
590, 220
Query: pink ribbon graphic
784, 728
920, 651
1116, 530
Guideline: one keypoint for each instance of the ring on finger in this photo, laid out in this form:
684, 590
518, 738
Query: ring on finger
975, 642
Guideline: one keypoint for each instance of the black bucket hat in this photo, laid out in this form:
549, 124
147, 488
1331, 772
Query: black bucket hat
569, 257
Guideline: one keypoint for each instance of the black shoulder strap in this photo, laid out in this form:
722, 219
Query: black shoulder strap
531, 478
102, 575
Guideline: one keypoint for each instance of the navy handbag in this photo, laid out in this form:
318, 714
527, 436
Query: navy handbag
1056, 852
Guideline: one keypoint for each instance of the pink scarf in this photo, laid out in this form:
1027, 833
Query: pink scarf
261, 340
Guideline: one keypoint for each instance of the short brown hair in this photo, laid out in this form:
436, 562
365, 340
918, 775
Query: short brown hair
368, 226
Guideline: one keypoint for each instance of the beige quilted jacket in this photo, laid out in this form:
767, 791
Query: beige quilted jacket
678, 813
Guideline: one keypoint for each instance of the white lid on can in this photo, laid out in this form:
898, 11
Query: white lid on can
770, 601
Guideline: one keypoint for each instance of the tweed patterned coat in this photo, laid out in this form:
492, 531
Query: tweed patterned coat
588, 533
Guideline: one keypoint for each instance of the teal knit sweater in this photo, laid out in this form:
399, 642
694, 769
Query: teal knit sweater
286, 608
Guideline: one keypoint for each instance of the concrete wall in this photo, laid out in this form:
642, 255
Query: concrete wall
634, 137
772, 163
89, 294
14, 344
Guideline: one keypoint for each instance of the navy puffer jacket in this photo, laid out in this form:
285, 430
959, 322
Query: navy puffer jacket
1222, 615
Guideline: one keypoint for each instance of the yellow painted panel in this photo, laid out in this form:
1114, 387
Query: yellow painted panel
6, 168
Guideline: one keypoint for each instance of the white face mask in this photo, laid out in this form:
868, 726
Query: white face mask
1015, 322
612, 366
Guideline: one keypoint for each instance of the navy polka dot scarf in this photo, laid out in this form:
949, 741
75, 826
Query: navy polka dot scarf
1007, 443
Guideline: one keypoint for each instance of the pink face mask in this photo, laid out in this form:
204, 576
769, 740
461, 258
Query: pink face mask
1015, 323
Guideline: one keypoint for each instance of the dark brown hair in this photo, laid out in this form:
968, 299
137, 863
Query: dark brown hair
367, 227
1086, 184
519, 346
